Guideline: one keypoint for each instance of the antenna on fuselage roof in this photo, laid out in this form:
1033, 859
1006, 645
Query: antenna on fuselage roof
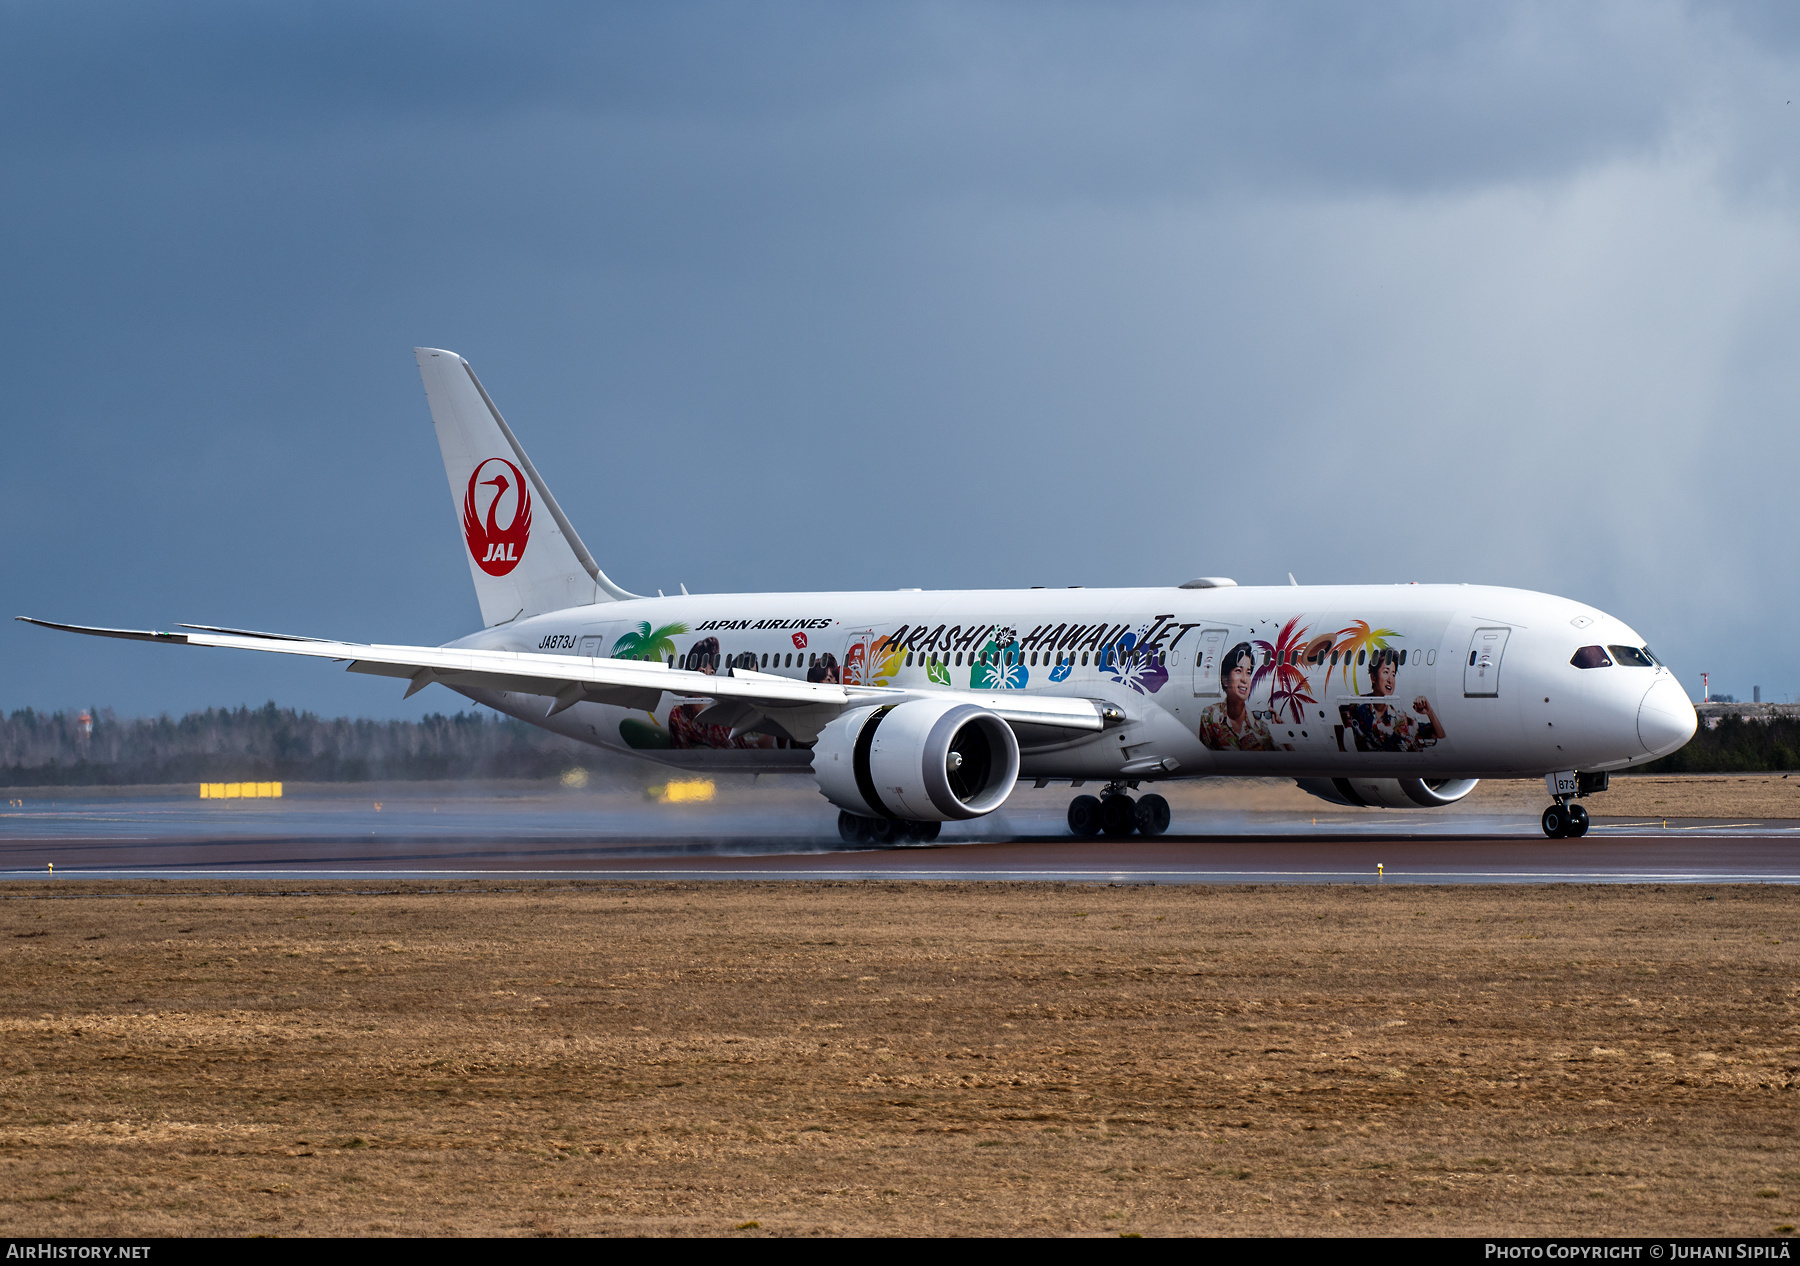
1292, 581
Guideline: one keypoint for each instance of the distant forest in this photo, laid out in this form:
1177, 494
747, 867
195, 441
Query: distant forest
1736, 746
40, 749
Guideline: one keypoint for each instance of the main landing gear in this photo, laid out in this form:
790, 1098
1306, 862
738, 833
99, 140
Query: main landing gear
1565, 820
1114, 814
884, 832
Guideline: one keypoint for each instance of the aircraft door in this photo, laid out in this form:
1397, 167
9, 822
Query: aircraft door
1206, 663
1481, 671
858, 668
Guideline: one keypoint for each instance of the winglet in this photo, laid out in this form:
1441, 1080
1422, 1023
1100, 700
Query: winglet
133, 635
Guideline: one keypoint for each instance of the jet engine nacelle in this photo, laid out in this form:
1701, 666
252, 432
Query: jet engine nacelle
924, 761
1389, 793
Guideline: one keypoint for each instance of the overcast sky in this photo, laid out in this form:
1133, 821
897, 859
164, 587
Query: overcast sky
790, 296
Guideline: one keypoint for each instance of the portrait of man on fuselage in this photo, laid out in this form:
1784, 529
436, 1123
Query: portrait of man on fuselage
1386, 727
1231, 725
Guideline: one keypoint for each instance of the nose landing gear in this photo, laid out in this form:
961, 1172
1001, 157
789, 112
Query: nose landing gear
1564, 820
1116, 815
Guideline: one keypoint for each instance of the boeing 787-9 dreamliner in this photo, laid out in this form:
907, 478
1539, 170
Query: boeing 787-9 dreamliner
917, 707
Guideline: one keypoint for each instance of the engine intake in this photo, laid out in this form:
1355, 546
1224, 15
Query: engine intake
923, 761
1389, 793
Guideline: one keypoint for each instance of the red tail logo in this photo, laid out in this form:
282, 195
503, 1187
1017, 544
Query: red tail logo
495, 549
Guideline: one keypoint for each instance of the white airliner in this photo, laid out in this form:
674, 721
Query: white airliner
918, 707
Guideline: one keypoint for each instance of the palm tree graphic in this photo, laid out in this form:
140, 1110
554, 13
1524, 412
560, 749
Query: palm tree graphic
648, 643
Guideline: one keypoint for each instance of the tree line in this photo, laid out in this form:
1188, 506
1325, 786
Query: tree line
1736, 746
40, 749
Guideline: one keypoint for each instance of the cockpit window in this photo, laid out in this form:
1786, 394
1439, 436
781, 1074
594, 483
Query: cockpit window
1631, 657
1651, 654
1591, 657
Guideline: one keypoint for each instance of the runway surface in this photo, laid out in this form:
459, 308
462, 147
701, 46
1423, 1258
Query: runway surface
626, 839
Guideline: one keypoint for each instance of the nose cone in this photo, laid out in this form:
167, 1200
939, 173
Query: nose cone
1665, 718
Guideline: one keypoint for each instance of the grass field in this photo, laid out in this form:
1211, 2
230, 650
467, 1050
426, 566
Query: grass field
895, 1059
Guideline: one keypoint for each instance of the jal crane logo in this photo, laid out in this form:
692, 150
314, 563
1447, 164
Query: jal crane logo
495, 549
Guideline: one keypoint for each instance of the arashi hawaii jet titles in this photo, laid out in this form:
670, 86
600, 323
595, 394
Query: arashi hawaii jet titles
913, 708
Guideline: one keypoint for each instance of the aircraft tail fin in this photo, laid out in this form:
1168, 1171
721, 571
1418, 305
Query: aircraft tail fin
524, 555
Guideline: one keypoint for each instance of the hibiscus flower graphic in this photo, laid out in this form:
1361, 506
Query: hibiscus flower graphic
999, 665
1128, 664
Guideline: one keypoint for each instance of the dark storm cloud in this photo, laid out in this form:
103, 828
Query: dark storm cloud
1096, 294
1172, 96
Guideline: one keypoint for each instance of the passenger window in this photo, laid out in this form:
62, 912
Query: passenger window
1630, 657
1403, 659
765, 662
1590, 657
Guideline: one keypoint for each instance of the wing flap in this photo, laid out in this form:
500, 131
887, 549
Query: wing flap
533, 673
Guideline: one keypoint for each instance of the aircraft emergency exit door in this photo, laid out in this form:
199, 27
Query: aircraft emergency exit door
1481, 673
1206, 664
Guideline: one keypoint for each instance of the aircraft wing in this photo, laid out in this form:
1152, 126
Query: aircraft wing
628, 683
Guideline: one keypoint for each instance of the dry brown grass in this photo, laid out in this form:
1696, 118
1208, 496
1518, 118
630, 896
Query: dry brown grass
898, 1058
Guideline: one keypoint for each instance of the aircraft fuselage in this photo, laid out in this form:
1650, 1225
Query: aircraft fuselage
1410, 681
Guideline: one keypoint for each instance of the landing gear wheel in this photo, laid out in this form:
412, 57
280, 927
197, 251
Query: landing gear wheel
1556, 822
855, 829
1152, 814
1118, 816
1084, 815
1578, 821
923, 832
